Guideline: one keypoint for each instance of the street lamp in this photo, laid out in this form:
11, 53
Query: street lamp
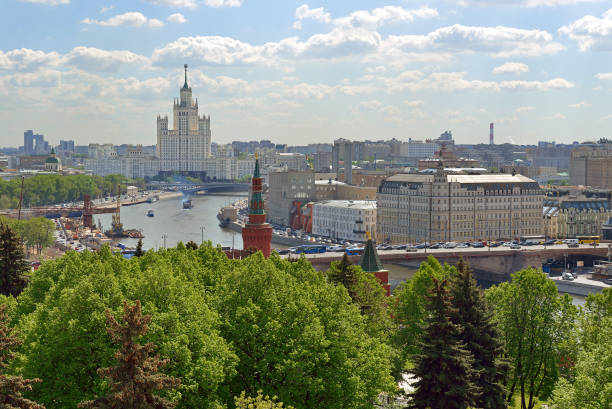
164, 237
202, 228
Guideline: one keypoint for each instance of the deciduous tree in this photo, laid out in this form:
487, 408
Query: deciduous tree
259, 402
136, 377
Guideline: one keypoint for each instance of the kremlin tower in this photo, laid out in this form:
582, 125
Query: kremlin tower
257, 234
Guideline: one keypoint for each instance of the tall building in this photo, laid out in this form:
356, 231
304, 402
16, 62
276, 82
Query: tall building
187, 146
491, 134
257, 234
592, 166
343, 150
344, 219
458, 207
34, 144
285, 189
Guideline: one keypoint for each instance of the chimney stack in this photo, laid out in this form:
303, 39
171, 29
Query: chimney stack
491, 139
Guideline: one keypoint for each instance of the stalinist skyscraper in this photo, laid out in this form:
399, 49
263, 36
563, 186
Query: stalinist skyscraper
187, 146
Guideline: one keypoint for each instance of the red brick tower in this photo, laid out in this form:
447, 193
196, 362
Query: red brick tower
257, 234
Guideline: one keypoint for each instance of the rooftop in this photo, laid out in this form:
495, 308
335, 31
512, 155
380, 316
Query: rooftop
352, 204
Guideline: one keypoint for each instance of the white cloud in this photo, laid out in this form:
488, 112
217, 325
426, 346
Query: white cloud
511, 68
190, 4
318, 14
95, 59
581, 104
521, 3
524, 109
591, 33
27, 59
379, 16
130, 19
415, 103
555, 116
499, 41
107, 8
223, 3
377, 106
48, 2
177, 18
604, 76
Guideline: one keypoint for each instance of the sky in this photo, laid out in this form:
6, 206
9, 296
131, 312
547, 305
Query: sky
308, 72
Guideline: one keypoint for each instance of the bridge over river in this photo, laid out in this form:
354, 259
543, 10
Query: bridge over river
491, 264
211, 187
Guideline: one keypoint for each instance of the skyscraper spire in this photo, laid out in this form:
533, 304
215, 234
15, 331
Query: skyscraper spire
185, 86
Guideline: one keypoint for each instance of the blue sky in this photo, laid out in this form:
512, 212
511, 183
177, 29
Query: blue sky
306, 72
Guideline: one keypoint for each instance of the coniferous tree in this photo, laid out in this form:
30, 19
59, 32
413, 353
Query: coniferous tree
344, 273
481, 337
136, 376
11, 387
443, 367
139, 252
13, 265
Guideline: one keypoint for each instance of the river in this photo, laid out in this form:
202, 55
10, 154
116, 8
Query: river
176, 223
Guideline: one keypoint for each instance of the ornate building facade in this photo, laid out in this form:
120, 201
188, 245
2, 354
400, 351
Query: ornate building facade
257, 234
186, 147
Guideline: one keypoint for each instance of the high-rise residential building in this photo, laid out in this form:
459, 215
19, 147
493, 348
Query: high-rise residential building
343, 151
591, 165
458, 207
66, 146
285, 188
344, 219
34, 144
321, 161
187, 146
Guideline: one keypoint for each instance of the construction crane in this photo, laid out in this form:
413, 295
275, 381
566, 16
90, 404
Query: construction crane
117, 227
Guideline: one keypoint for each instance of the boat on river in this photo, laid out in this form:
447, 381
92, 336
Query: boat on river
150, 213
187, 204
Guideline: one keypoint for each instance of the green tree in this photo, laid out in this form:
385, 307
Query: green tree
135, 377
62, 319
299, 337
12, 387
259, 402
411, 309
481, 337
536, 323
139, 252
443, 367
591, 386
191, 245
13, 265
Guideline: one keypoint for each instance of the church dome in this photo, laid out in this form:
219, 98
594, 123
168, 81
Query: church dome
52, 159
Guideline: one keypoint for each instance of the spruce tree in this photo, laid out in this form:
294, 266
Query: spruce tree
191, 245
11, 387
481, 337
136, 376
344, 273
443, 367
13, 265
139, 252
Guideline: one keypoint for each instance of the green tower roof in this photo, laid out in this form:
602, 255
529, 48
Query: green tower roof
370, 262
256, 173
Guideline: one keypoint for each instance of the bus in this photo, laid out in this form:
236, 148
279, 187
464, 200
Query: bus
311, 249
531, 240
588, 239
354, 251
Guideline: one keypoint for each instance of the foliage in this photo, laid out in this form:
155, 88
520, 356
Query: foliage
410, 310
259, 402
36, 233
191, 245
367, 293
536, 323
443, 367
135, 377
13, 265
51, 189
591, 387
481, 337
298, 337
11, 387
62, 317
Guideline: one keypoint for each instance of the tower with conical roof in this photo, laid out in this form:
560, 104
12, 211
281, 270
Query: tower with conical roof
257, 234
370, 263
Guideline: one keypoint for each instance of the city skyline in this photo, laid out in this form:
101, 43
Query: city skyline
308, 72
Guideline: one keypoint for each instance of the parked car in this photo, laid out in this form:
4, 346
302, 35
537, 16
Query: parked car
567, 276
435, 246
477, 245
549, 242
608, 281
335, 249
507, 244
450, 245
495, 244
515, 246
573, 245
462, 246
411, 249
422, 246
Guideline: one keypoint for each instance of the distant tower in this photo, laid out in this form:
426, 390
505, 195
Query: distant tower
491, 138
257, 234
370, 263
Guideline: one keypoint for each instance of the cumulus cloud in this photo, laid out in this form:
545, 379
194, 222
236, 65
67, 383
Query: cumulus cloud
511, 68
177, 18
223, 3
499, 41
27, 59
524, 109
106, 8
95, 59
581, 104
604, 76
190, 4
130, 19
591, 33
521, 3
48, 2
377, 106
415, 103
555, 116
318, 14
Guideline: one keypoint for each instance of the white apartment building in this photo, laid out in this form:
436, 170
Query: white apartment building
187, 146
98, 151
344, 219
418, 149
228, 168
458, 207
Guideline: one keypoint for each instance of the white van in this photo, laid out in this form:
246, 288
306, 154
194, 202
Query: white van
571, 241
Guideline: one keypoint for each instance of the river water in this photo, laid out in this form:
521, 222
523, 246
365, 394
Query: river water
176, 223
